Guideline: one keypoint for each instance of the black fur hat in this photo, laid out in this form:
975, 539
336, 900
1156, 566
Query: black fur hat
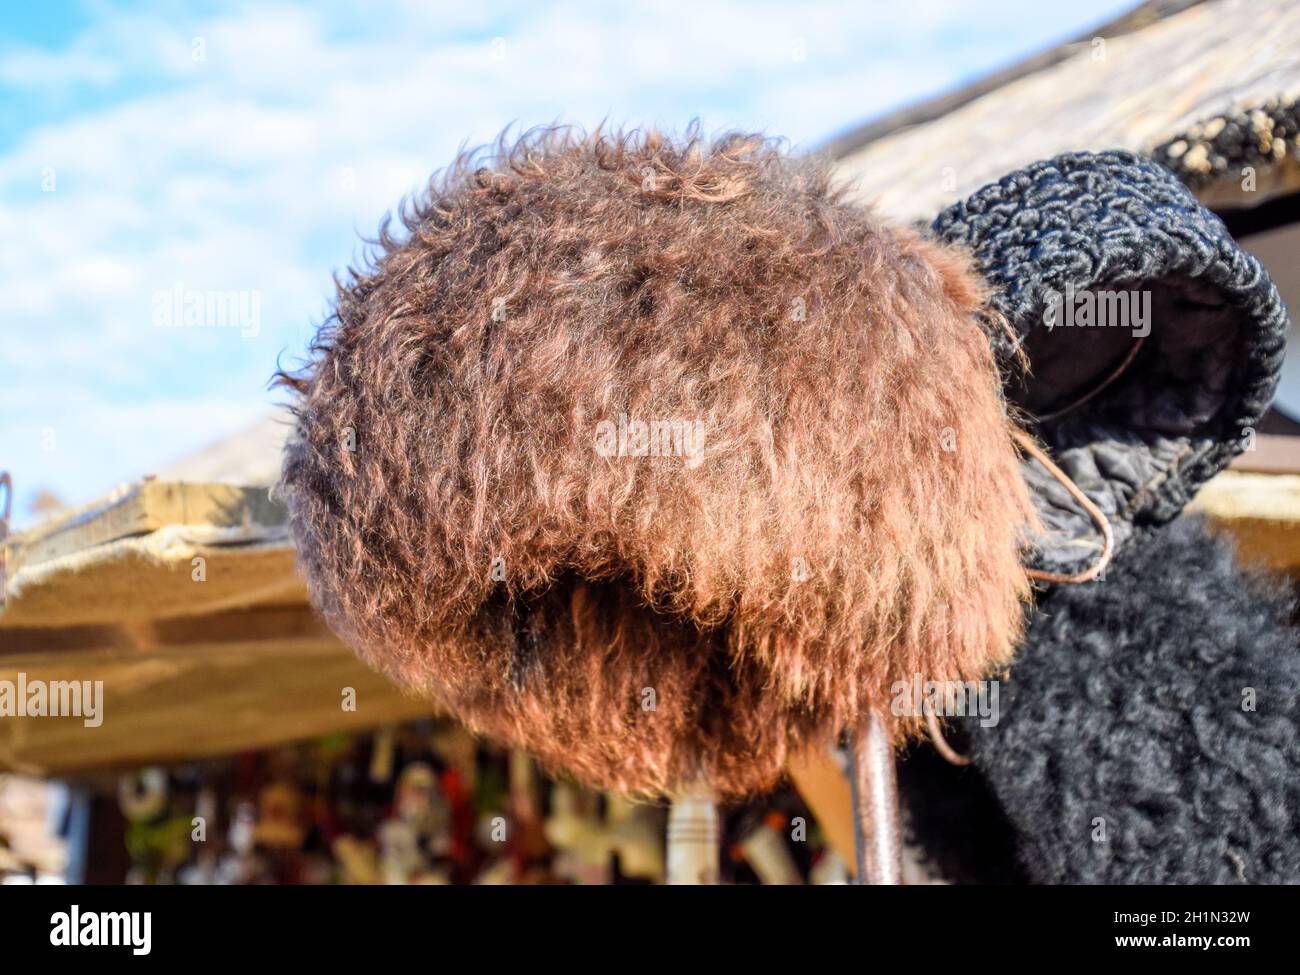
1144, 343
1148, 730
1149, 733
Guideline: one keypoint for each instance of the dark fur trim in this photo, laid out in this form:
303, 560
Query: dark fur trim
1125, 708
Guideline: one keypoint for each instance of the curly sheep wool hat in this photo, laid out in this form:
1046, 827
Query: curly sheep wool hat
1149, 722
1148, 733
659, 459
1138, 408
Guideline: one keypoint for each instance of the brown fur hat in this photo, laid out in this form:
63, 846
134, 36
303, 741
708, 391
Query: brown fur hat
657, 459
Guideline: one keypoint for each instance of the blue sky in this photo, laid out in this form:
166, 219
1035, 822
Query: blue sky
152, 149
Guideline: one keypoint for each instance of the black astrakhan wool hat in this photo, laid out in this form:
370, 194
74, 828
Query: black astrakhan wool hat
1149, 727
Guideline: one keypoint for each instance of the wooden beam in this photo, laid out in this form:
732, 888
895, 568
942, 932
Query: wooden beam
151, 550
184, 601
140, 508
1261, 511
194, 700
167, 573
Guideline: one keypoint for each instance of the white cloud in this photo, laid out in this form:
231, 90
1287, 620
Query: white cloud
255, 167
37, 69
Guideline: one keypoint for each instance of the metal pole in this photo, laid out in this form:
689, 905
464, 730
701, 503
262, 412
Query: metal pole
877, 833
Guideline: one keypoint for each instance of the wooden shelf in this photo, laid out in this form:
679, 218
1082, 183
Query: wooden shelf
184, 601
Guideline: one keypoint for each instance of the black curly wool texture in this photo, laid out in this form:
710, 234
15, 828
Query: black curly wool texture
952, 819
1200, 382
1148, 725
1150, 729
1088, 220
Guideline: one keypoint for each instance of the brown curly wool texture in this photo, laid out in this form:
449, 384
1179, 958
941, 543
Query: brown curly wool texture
656, 614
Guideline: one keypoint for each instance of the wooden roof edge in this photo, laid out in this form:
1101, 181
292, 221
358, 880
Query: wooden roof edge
1262, 513
139, 508
930, 109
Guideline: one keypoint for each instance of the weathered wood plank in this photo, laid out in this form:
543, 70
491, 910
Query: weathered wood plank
1131, 91
167, 573
151, 550
140, 508
1262, 511
193, 700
